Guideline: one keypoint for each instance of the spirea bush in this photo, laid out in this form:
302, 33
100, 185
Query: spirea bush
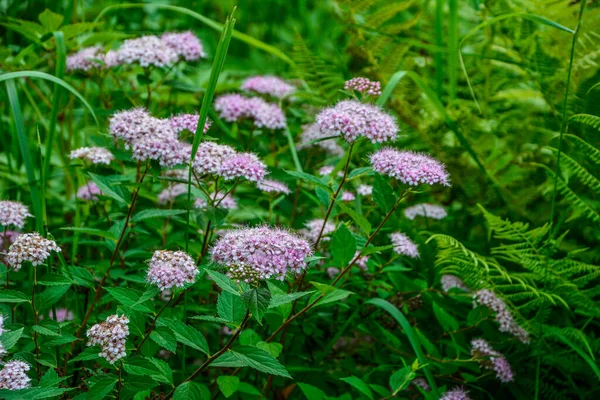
179, 220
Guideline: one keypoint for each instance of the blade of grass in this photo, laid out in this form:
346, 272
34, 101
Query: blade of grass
412, 338
207, 21
439, 42
453, 50
290, 140
15, 106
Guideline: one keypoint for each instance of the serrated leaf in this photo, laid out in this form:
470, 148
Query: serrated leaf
228, 384
332, 294
223, 282
155, 213
311, 392
383, 194
361, 221
257, 301
281, 299
129, 299
308, 178
101, 388
231, 308
343, 246
447, 321
401, 378
140, 366
50, 296
260, 360
50, 20
358, 384
107, 187
91, 353
273, 349
36, 393
323, 196
164, 369
13, 296
187, 391
185, 334
93, 232
54, 280
10, 338
163, 337
44, 330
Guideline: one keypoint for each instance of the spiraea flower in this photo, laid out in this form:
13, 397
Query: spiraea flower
451, 281
254, 254
228, 202
234, 107
487, 298
111, 336
172, 192
14, 375
129, 125
313, 227
243, 165
95, 155
185, 44
86, 59
364, 190
271, 186
351, 119
404, 246
63, 314
425, 210
364, 86
170, 269
188, 122
327, 170
164, 148
30, 247
13, 213
492, 360
422, 383
268, 85
348, 196
210, 156
362, 261
457, 393
147, 51
311, 133
410, 168
89, 192
6, 239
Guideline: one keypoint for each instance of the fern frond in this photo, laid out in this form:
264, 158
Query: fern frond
587, 119
386, 13
573, 334
579, 172
584, 147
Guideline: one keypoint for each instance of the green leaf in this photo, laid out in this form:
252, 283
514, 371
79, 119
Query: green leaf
309, 178
51, 20
50, 296
260, 360
358, 384
273, 349
12, 296
231, 308
323, 196
401, 378
93, 232
281, 299
311, 392
47, 328
332, 294
185, 334
383, 194
223, 282
228, 384
257, 300
188, 391
54, 280
163, 337
361, 221
155, 213
10, 338
358, 172
140, 366
35, 393
129, 299
164, 369
447, 321
248, 389
106, 187
101, 388
343, 246
91, 353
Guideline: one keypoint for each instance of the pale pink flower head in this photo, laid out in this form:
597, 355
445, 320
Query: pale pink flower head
168, 269
348, 196
13, 213
111, 336
425, 210
311, 133
488, 298
254, 254
361, 261
271, 186
234, 107
89, 192
95, 155
451, 281
129, 125
171, 192
328, 169
228, 202
457, 393
14, 375
111, 58
210, 156
268, 85
189, 122
410, 168
351, 119
364, 86
492, 360
404, 246
364, 190
86, 59
185, 44
147, 51
243, 165
6, 239
313, 227
31, 247
62, 315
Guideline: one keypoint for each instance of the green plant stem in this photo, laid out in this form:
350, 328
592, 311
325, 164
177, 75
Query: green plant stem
35, 319
153, 325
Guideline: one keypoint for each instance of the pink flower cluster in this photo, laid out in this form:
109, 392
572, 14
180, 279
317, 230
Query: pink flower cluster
451, 282
457, 393
364, 86
171, 268
185, 44
146, 51
95, 155
271, 186
86, 59
188, 122
234, 107
422, 383
425, 210
243, 165
14, 375
13, 213
172, 192
487, 298
311, 133
328, 169
30, 247
361, 262
89, 192
410, 168
313, 227
364, 190
348, 196
254, 254
481, 349
228, 202
6, 239
111, 336
269, 85
404, 246
210, 156
351, 119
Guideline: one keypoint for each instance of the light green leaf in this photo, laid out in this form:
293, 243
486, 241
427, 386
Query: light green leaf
281, 299
156, 213
188, 391
260, 360
257, 301
163, 337
228, 384
12, 296
106, 187
101, 388
231, 308
358, 384
93, 232
343, 246
51, 20
186, 334
223, 282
